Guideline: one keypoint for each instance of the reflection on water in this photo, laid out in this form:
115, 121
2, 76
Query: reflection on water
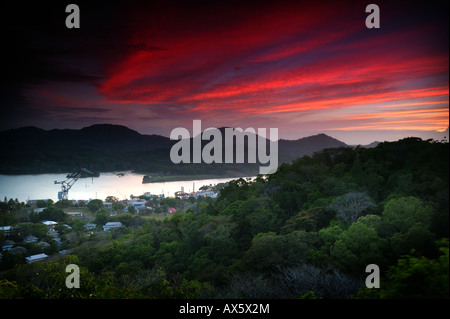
25, 187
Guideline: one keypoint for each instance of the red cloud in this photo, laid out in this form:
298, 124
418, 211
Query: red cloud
277, 60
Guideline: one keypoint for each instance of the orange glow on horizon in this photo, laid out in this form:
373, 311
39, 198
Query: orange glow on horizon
287, 67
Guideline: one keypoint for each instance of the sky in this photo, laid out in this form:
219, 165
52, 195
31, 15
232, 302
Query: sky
304, 67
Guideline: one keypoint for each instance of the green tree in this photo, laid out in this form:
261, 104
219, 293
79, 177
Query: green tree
402, 213
54, 214
46, 280
330, 234
63, 203
170, 202
36, 229
415, 277
125, 219
265, 251
78, 225
95, 205
44, 203
112, 199
407, 223
5, 214
166, 256
357, 247
262, 220
218, 235
10, 260
102, 217
128, 268
132, 209
269, 250
312, 219
117, 207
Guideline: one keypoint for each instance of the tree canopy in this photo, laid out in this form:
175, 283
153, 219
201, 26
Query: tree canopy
308, 230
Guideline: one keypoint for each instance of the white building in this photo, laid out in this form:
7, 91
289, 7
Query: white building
6, 230
49, 223
110, 225
30, 239
90, 226
75, 214
35, 258
137, 204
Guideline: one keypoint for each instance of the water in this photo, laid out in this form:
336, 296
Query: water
42, 186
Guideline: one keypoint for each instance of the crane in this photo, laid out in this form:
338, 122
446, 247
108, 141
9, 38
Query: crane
67, 184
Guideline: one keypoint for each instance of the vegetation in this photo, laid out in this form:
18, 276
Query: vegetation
156, 178
307, 231
114, 148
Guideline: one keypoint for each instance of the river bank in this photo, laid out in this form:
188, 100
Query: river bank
119, 184
179, 178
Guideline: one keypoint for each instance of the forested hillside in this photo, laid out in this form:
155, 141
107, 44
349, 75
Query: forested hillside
307, 231
110, 148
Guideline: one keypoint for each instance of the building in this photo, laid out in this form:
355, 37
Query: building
108, 204
75, 214
90, 226
49, 223
43, 244
18, 249
206, 193
30, 239
6, 230
34, 201
57, 240
137, 204
36, 258
7, 244
111, 225
181, 194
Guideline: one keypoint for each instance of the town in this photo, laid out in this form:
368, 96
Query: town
42, 229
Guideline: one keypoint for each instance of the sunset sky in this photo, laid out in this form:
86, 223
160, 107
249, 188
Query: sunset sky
304, 67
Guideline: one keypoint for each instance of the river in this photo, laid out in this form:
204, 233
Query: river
42, 186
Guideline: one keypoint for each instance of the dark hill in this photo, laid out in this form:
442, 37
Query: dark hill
95, 137
106, 147
291, 150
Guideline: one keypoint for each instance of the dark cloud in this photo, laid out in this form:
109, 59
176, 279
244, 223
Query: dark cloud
166, 62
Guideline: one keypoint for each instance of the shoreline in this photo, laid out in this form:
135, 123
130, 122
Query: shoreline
181, 178
154, 177
41, 186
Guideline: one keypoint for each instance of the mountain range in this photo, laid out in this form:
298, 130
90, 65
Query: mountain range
107, 147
